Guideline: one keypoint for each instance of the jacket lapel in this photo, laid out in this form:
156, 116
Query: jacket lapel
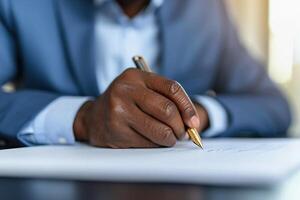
76, 18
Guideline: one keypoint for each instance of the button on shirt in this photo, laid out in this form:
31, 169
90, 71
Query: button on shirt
118, 38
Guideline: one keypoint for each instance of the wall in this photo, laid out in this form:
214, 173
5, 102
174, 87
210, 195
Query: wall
251, 17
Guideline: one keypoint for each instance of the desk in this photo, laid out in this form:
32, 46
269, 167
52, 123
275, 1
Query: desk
37, 189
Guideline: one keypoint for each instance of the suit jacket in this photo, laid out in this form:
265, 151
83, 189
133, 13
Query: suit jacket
48, 46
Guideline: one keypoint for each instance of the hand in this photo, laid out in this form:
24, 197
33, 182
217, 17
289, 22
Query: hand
139, 109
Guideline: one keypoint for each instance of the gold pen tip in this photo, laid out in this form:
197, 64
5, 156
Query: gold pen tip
199, 144
194, 135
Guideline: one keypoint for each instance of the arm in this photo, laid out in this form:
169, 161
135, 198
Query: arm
18, 108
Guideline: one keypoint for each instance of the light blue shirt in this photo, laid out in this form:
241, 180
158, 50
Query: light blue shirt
118, 39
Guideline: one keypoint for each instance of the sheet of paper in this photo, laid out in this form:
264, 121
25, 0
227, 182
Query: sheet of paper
223, 161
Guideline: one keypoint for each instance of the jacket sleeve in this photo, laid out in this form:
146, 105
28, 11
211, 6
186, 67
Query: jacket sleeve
16, 108
254, 104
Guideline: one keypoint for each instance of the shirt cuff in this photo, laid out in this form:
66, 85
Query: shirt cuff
217, 115
54, 124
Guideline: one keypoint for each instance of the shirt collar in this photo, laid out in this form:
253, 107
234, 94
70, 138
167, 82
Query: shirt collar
155, 3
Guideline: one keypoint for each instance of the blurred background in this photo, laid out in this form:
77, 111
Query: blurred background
271, 31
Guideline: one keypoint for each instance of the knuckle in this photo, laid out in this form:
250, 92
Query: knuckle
116, 109
119, 87
122, 88
166, 136
128, 73
174, 87
127, 87
189, 111
154, 128
169, 109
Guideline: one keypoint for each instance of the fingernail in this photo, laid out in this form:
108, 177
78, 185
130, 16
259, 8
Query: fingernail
195, 122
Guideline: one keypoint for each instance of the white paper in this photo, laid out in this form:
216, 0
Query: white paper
223, 161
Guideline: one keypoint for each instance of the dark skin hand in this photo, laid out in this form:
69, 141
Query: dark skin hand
139, 109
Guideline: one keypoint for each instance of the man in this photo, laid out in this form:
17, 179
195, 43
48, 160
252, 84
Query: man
70, 58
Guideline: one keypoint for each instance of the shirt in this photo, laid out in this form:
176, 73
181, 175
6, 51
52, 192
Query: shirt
118, 38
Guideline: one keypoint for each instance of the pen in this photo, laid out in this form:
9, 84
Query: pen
141, 64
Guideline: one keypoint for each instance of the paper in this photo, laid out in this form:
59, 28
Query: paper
223, 161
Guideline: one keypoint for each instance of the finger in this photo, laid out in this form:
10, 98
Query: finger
162, 109
129, 138
173, 90
151, 128
139, 141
